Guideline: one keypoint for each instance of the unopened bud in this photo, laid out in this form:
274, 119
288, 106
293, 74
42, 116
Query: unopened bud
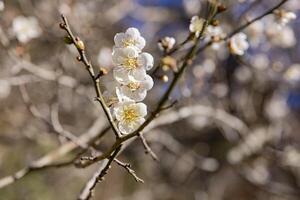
166, 43
215, 22
62, 25
164, 78
68, 40
78, 58
79, 44
168, 62
221, 8
103, 71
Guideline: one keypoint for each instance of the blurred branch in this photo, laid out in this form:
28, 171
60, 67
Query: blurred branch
54, 123
148, 149
168, 118
95, 132
98, 176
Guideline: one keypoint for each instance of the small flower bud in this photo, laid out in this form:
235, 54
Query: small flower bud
68, 40
103, 71
79, 44
221, 8
78, 58
164, 78
62, 25
168, 62
166, 43
215, 22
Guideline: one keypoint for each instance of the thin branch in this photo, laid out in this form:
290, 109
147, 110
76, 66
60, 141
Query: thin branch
86, 192
128, 168
83, 58
148, 149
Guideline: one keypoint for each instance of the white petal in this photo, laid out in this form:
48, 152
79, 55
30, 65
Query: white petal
129, 128
118, 39
140, 43
147, 84
121, 74
133, 32
145, 60
141, 108
137, 95
138, 74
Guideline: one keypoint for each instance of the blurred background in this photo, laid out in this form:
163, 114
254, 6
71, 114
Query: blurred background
234, 133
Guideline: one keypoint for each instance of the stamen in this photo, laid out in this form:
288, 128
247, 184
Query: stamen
129, 115
130, 63
133, 86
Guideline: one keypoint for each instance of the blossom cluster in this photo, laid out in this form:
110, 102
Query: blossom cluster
238, 43
127, 84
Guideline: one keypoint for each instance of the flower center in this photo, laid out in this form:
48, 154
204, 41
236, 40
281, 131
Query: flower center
130, 63
128, 42
133, 86
129, 115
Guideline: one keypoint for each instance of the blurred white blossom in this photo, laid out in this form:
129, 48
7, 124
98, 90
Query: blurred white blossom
283, 17
5, 89
260, 61
2, 5
284, 38
192, 7
238, 44
292, 74
277, 107
26, 28
196, 25
104, 57
214, 34
256, 33
166, 43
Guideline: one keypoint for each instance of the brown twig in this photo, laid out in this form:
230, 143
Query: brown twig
83, 58
128, 168
148, 149
86, 192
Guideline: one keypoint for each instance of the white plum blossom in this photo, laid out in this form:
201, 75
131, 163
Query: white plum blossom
196, 25
130, 115
214, 34
292, 74
238, 44
26, 28
284, 38
136, 90
110, 84
128, 83
166, 43
283, 17
256, 33
2, 5
131, 38
129, 62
